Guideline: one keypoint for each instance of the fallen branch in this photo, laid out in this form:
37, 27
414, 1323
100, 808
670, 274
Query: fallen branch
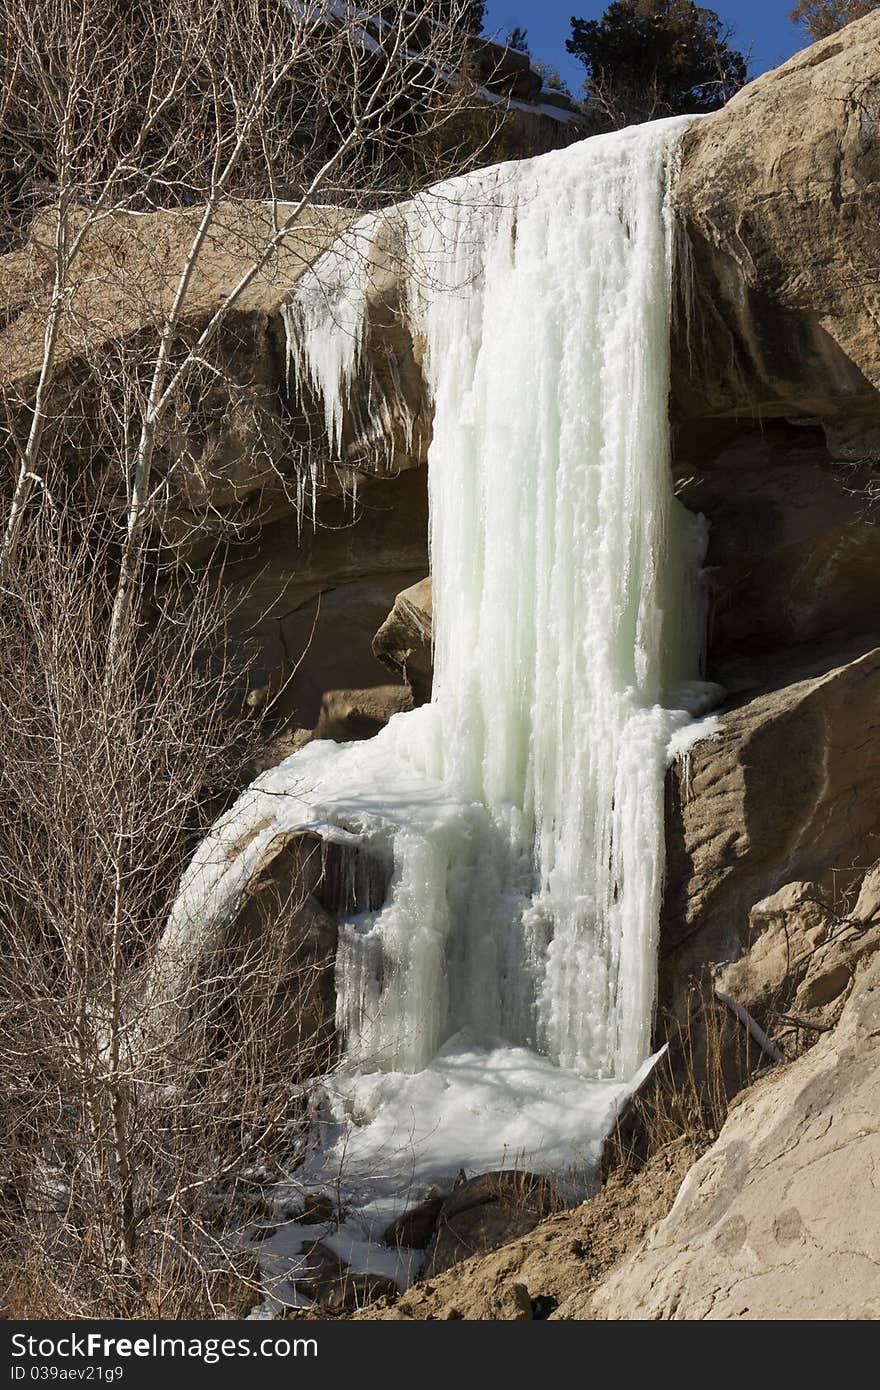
757, 1033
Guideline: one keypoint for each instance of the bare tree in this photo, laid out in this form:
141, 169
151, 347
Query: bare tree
151, 151
115, 110
823, 17
126, 1170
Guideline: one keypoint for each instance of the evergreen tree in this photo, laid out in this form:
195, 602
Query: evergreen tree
518, 38
470, 15
651, 58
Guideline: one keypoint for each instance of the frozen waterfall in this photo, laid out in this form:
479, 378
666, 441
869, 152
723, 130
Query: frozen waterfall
518, 818
564, 607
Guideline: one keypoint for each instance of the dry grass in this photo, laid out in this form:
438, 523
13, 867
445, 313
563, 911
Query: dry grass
709, 1059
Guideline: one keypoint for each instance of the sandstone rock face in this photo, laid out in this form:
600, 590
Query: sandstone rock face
311, 563
802, 954
788, 790
780, 1219
779, 197
793, 555
778, 201
776, 820
312, 599
228, 442
773, 827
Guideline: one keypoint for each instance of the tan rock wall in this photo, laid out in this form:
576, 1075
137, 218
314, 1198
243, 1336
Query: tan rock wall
780, 1219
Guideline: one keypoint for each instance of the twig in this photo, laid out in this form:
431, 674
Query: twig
801, 1022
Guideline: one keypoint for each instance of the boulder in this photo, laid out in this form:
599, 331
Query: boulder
415, 1228
403, 642
330, 1282
274, 929
780, 1219
354, 714
487, 1211
281, 923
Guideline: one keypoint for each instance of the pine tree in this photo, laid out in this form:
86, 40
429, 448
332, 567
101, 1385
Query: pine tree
470, 15
518, 39
651, 58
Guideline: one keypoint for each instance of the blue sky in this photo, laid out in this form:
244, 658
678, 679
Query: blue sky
762, 25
